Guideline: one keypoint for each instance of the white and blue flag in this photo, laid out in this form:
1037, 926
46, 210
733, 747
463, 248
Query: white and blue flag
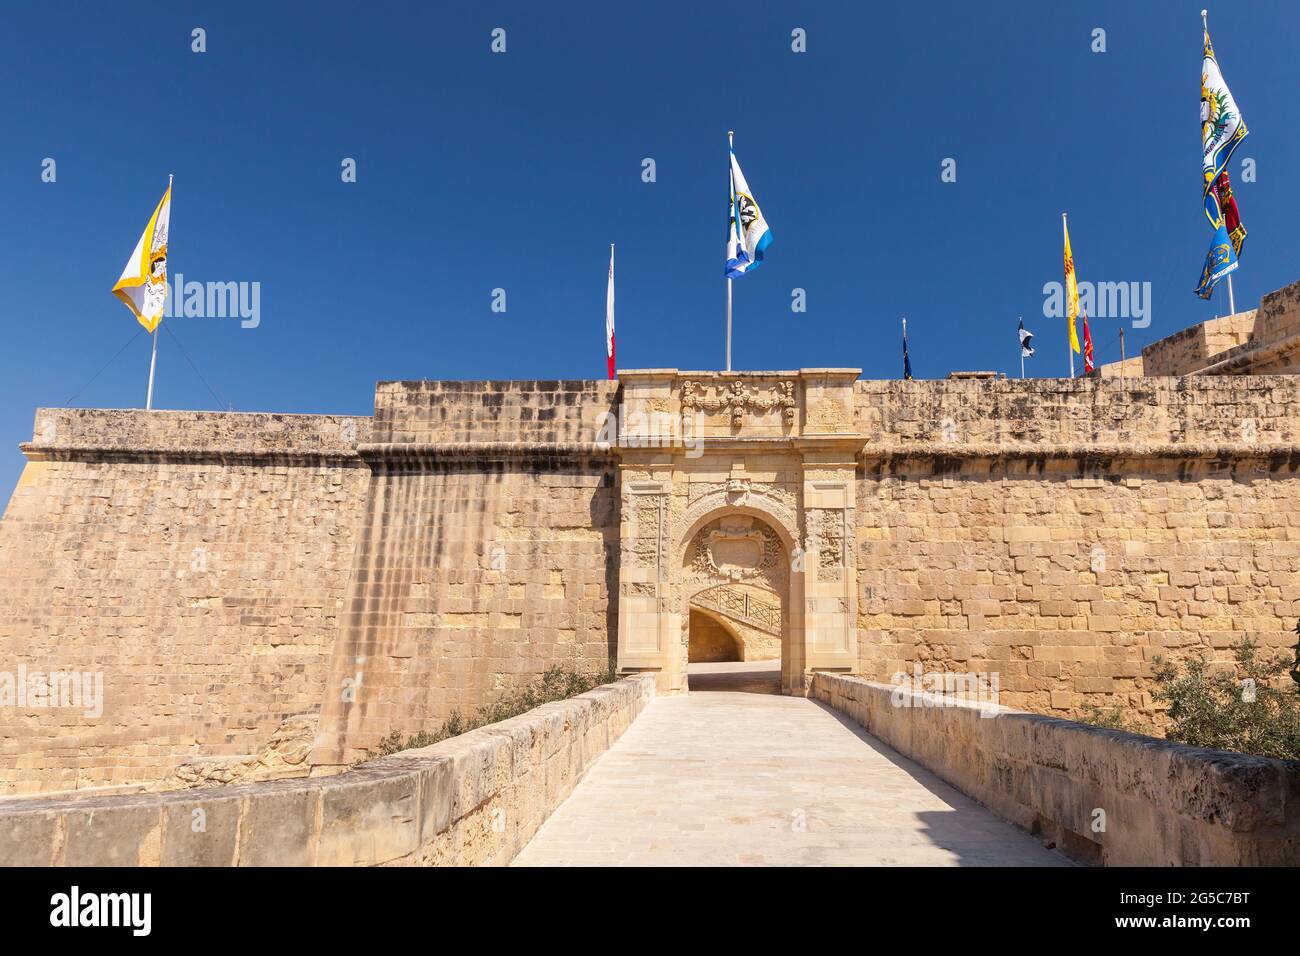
749, 236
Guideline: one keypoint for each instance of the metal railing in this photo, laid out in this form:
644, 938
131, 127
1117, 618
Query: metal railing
743, 606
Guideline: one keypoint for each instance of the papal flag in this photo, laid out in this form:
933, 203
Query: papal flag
1222, 131
143, 286
749, 236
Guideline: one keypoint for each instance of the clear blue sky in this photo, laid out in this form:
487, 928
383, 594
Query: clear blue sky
478, 171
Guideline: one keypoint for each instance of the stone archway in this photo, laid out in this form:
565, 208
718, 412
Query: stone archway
778, 448
737, 569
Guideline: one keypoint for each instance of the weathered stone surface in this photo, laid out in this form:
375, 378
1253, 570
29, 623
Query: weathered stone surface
470, 800
1100, 795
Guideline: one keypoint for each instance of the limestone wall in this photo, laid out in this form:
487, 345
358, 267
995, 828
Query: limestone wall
476, 799
226, 572
196, 563
1157, 803
488, 552
1263, 341
1157, 519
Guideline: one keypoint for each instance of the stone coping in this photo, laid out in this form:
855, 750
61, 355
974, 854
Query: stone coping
1287, 452
1162, 803
470, 800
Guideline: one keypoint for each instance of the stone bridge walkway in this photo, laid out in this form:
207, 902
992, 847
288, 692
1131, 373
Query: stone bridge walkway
724, 778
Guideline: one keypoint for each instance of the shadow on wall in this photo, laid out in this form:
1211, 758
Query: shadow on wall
711, 641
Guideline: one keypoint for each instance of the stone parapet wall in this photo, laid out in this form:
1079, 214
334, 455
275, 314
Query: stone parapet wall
135, 433
1158, 803
476, 799
1263, 341
1077, 414
507, 411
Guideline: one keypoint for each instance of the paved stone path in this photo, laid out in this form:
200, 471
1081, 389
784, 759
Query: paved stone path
722, 778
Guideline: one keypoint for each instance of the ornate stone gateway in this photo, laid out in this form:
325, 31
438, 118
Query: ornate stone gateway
731, 479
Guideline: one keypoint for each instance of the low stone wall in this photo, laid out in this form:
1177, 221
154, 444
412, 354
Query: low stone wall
476, 799
1164, 804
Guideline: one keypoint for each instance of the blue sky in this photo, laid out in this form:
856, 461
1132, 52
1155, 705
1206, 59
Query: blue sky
478, 171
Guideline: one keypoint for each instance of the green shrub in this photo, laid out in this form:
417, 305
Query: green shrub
1213, 707
556, 683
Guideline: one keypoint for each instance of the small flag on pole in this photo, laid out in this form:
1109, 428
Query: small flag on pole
143, 285
1088, 364
1222, 131
749, 236
1026, 350
609, 315
1071, 294
907, 362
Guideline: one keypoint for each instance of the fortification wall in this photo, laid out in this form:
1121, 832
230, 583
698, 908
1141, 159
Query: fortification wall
489, 552
225, 572
1263, 341
1062, 534
196, 563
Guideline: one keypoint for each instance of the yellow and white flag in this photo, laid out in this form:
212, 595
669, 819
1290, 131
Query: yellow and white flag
143, 286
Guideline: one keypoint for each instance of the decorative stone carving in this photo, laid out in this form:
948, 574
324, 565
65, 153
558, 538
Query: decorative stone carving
779, 513
647, 534
829, 415
736, 548
827, 528
737, 398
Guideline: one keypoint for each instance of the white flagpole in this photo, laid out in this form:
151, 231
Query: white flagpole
728, 325
153, 356
730, 179
1232, 302
153, 361
1022, 348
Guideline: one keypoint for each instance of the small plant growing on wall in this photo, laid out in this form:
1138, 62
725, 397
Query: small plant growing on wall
1295, 665
1239, 709
555, 683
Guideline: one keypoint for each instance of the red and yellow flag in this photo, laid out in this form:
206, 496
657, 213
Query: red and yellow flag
1071, 289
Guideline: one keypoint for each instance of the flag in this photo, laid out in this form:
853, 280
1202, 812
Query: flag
1071, 288
907, 362
143, 285
1088, 364
1026, 350
609, 315
1222, 131
749, 236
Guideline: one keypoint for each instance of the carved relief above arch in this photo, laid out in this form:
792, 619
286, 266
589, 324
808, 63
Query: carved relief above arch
735, 548
737, 496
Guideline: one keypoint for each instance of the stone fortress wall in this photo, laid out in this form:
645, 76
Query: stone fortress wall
268, 595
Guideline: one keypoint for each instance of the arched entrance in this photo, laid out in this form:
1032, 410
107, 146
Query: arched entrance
736, 576
745, 482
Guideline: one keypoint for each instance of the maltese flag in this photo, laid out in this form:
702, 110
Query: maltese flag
609, 315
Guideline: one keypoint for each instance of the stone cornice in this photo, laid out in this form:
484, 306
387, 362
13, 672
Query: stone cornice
1092, 451
481, 451
200, 455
